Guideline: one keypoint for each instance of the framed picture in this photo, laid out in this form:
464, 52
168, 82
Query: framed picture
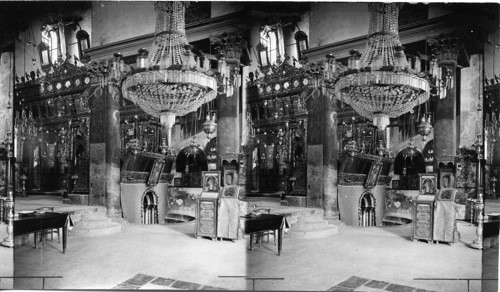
156, 171
428, 183
372, 178
447, 194
446, 179
177, 181
230, 192
230, 175
396, 184
210, 181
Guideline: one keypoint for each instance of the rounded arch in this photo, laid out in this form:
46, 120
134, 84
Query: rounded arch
149, 207
192, 157
409, 161
366, 210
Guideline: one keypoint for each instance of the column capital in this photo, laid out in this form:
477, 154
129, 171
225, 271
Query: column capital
446, 48
231, 45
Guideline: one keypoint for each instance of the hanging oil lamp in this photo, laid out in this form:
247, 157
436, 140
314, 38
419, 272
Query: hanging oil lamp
425, 127
381, 148
209, 126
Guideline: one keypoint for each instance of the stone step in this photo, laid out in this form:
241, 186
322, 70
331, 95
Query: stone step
328, 231
309, 225
112, 228
97, 209
311, 218
93, 223
93, 216
76, 217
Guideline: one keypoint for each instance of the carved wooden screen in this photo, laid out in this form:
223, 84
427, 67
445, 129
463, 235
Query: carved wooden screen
47, 109
277, 105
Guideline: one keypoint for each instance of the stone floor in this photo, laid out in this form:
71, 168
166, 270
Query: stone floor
362, 284
141, 281
169, 252
384, 254
105, 262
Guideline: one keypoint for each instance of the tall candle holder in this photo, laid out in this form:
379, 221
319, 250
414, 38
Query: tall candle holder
9, 202
479, 205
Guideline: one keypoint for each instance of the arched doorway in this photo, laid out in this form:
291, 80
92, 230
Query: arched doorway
366, 210
408, 164
149, 208
191, 161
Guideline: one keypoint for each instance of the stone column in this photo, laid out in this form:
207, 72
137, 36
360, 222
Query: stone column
105, 136
244, 107
228, 132
330, 156
471, 88
112, 97
445, 127
97, 146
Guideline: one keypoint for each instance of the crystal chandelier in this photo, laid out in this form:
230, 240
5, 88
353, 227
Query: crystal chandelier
380, 84
179, 83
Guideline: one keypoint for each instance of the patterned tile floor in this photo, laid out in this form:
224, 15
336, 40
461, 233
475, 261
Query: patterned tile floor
141, 281
362, 284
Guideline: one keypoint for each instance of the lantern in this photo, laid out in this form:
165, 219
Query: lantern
263, 58
301, 41
44, 51
425, 127
142, 58
209, 126
83, 40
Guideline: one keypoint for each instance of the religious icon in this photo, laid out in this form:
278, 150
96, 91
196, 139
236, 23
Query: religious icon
230, 175
211, 181
156, 171
447, 179
230, 192
427, 183
372, 178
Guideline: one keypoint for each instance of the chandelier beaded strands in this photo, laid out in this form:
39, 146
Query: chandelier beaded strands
177, 83
381, 84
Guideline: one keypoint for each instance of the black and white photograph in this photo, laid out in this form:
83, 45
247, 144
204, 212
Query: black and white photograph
250, 145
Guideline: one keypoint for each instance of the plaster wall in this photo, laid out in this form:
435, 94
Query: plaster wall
349, 200
438, 9
200, 138
470, 89
331, 22
398, 144
115, 21
220, 8
131, 195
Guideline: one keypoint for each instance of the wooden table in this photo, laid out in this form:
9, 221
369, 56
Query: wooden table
34, 223
263, 222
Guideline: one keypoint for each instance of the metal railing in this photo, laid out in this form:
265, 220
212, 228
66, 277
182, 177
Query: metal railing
32, 277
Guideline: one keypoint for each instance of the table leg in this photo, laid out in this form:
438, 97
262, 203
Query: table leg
251, 241
64, 235
35, 237
280, 240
